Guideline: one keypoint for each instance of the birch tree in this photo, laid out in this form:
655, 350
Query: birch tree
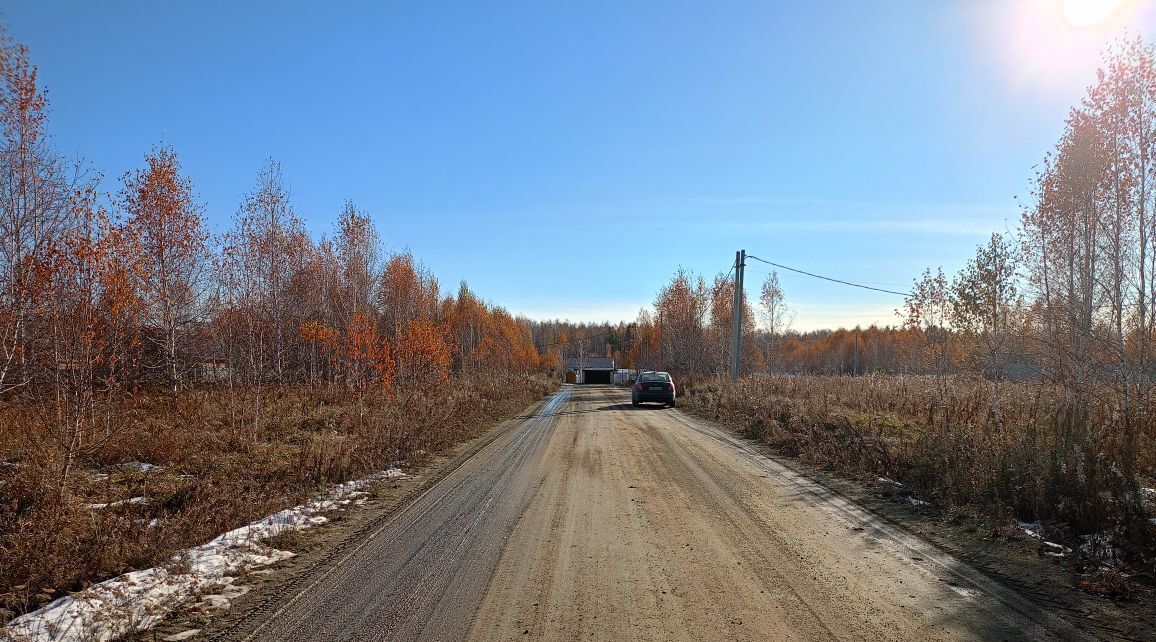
167, 230
36, 188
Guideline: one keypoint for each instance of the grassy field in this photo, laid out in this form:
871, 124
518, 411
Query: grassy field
1030, 458
177, 472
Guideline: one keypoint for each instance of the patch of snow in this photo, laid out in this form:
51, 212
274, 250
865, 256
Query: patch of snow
1055, 550
1034, 529
139, 600
1100, 546
131, 500
223, 600
966, 592
918, 503
142, 466
888, 482
183, 635
1149, 494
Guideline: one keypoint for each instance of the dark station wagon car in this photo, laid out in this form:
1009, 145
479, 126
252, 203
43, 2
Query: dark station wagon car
653, 386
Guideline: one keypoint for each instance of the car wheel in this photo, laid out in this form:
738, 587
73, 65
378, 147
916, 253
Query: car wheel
672, 403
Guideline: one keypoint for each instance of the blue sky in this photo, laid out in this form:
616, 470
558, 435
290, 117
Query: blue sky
566, 158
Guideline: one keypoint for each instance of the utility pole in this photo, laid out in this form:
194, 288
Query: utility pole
737, 315
581, 362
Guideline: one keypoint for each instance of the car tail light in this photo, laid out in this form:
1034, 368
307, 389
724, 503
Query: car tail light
638, 386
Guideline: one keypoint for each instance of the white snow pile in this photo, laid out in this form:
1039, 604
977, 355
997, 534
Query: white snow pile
123, 502
1100, 546
888, 482
1055, 550
918, 503
1033, 529
1036, 530
139, 600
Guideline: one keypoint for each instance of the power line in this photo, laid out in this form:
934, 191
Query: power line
827, 278
769, 272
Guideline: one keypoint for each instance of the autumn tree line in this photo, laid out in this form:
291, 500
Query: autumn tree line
1034, 364
105, 292
1069, 297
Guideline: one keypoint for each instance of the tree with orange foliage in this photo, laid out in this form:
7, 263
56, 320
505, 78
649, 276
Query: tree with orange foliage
468, 322
720, 329
36, 194
321, 347
422, 355
89, 321
168, 236
406, 292
681, 310
368, 358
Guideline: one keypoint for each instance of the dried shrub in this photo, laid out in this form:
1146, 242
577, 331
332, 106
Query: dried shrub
204, 476
1042, 459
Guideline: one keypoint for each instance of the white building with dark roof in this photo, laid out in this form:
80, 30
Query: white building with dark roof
590, 369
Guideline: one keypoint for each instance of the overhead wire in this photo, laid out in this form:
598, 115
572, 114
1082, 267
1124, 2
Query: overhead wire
730, 272
828, 278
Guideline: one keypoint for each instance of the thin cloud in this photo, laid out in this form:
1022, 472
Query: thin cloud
831, 217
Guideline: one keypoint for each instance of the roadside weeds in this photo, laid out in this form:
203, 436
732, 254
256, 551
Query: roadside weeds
1108, 599
196, 479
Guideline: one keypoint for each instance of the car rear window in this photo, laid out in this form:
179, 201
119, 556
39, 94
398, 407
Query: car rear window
651, 376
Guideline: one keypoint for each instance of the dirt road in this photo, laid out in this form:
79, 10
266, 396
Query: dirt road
597, 520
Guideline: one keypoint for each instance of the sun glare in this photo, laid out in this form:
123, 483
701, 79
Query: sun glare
1089, 13
1053, 45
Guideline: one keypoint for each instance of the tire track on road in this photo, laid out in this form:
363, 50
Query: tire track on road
386, 582
671, 530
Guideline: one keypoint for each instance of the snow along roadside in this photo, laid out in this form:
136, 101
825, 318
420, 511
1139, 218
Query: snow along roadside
139, 600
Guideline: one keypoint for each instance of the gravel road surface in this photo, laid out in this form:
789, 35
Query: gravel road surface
597, 520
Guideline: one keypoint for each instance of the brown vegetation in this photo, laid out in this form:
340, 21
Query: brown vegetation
200, 474
1023, 461
1023, 386
244, 369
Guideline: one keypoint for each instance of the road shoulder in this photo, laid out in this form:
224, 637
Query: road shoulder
314, 549
1005, 555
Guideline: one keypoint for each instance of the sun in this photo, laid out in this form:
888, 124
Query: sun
1089, 13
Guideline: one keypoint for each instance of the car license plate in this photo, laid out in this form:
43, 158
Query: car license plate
656, 387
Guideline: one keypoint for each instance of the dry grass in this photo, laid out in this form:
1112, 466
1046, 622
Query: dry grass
1036, 459
212, 471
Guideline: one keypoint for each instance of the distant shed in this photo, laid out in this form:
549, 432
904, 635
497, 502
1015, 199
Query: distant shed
590, 370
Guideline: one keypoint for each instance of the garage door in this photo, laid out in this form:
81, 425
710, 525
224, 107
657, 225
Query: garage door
596, 376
